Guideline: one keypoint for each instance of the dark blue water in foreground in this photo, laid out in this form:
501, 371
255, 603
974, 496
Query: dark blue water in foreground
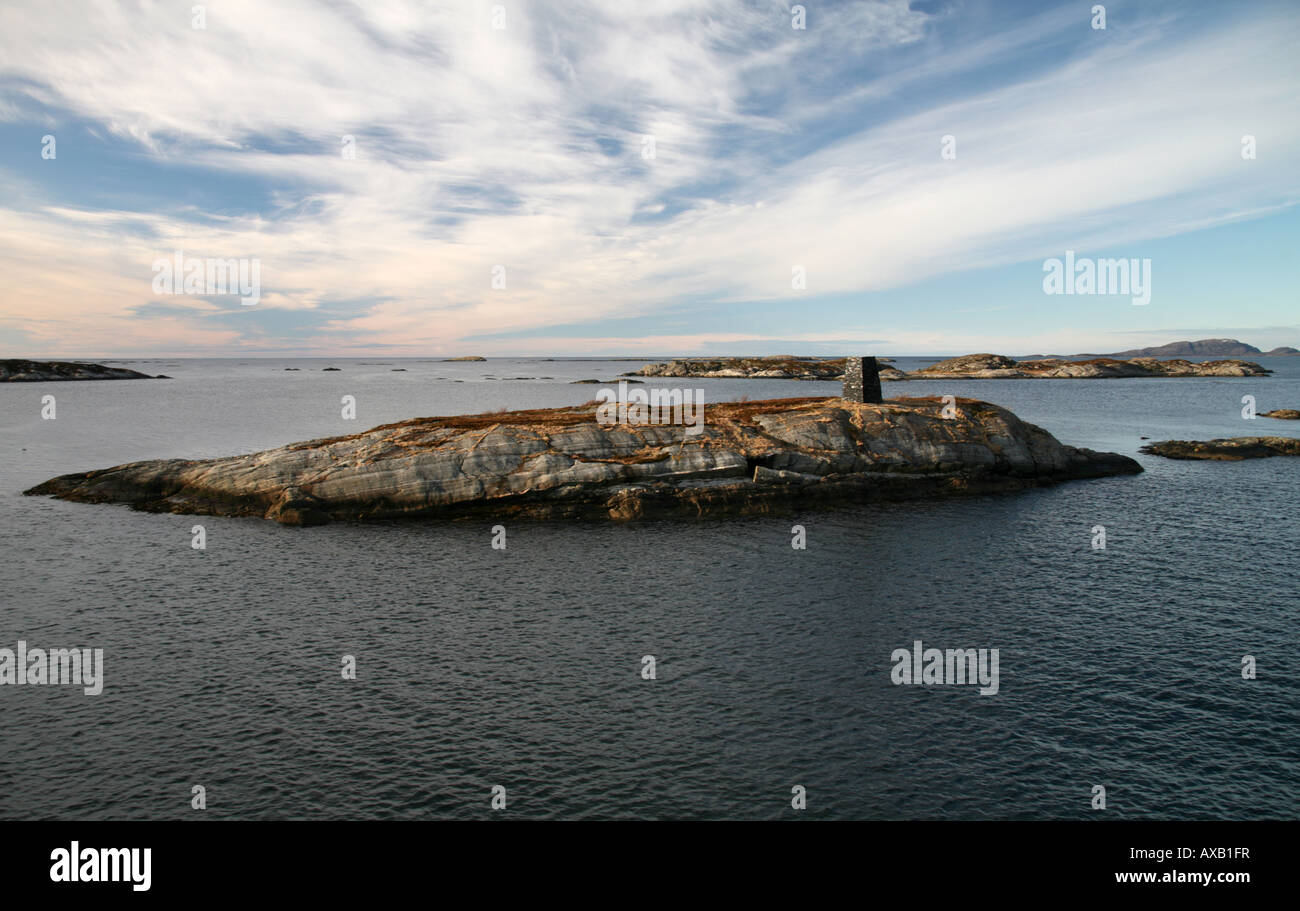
520, 668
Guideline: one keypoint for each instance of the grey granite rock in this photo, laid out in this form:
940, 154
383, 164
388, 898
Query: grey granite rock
748, 457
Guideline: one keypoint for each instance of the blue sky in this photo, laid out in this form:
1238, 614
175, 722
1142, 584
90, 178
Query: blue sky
520, 151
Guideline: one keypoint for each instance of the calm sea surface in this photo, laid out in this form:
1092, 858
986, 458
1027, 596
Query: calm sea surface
521, 668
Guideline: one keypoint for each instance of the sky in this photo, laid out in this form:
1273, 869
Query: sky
656, 177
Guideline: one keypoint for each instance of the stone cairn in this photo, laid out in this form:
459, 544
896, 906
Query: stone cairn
862, 380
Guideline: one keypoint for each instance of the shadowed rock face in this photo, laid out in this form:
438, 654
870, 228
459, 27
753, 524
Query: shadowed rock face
749, 457
1233, 449
19, 371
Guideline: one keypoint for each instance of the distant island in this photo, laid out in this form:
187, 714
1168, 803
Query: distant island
743, 457
968, 366
782, 367
996, 366
1206, 347
21, 371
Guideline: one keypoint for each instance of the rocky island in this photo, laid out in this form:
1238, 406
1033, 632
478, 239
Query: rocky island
1233, 449
744, 457
996, 366
1282, 414
966, 367
20, 371
779, 368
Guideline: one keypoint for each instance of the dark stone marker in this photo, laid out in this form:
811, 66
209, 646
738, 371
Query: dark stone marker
862, 380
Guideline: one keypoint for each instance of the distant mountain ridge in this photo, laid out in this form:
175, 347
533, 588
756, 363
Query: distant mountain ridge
1206, 347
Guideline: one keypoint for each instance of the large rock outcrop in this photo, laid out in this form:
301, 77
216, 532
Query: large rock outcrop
746, 457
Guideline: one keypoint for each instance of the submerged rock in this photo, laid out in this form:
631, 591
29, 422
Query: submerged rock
745, 457
20, 371
1233, 449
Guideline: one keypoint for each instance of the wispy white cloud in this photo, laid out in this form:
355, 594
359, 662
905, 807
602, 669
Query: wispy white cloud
522, 146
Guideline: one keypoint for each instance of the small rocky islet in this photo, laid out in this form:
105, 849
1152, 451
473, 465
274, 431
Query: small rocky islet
745, 457
755, 368
1232, 449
